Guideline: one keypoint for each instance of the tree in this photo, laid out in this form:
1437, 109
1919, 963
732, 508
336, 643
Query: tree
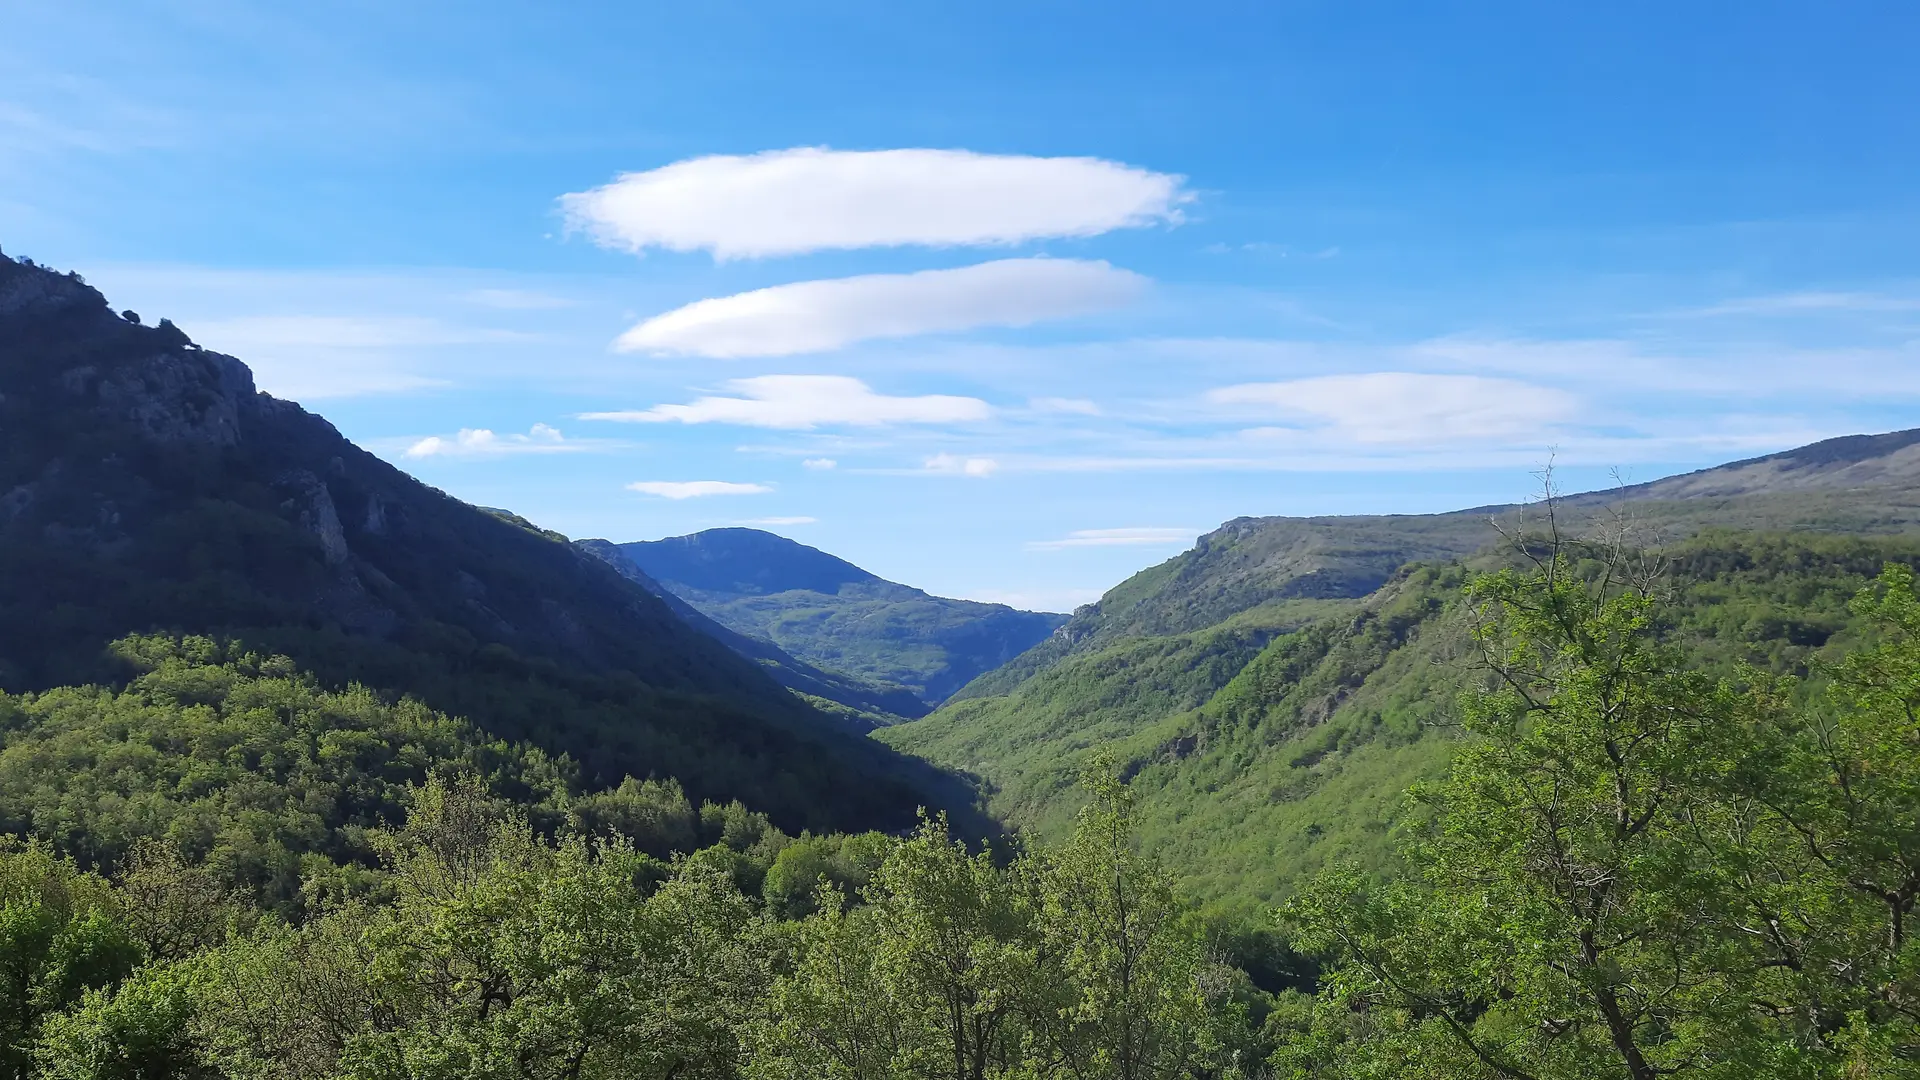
1568, 918
142, 1030
1826, 883
61, 935
934, 976
501, 955
1130, 978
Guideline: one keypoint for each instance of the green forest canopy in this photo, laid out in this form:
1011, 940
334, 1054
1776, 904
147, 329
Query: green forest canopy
1644, 858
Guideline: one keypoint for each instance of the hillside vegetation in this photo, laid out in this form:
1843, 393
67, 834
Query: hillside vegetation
230, 871
146, 487
1284, 738
831, 613
862, 703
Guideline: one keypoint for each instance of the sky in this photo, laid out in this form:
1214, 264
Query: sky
1003, 300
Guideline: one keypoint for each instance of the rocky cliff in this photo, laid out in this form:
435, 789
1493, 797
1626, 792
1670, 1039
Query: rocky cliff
146, 485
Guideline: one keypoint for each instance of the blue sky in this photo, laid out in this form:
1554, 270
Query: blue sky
1002, 300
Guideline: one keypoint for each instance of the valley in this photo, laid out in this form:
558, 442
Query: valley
281, 727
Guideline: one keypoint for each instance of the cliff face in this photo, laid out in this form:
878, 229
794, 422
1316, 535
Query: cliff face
145, 485
113, 430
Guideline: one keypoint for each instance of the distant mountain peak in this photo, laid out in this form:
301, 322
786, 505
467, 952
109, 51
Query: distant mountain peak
1845, 463
742, 560
826, 611
1844, 450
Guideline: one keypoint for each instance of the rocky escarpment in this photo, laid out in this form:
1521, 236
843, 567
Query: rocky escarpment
132, 457
116, 435
147, 486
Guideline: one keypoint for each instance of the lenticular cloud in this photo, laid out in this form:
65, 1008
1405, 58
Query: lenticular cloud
816, 316
785, 202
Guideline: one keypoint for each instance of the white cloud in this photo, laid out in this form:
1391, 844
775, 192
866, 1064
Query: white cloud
807, 401
814, 316
1407, 407
953, 465
480, 442
1074, 406
784, 202
820, 463
774, 521
1129, 537
695, 489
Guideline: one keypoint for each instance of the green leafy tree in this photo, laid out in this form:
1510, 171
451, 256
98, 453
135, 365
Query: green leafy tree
501, 955
1634, 870
143, 1030
1828, 877
1132, 986
1561, 926
61, 934
934, 976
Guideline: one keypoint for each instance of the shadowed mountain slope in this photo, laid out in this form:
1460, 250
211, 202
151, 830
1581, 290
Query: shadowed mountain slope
864, 704
831, 613
146, 486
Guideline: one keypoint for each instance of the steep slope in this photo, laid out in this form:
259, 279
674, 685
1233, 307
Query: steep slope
864, 704
1849, 463
831, 613
1317, 627
1253, 765
145, 485
1859, 484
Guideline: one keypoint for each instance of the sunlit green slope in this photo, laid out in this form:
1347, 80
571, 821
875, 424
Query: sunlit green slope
1285, 736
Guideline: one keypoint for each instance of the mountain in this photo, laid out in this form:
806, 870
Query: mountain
1858, 484
1273, 690
831, 613
146, 486
867, 705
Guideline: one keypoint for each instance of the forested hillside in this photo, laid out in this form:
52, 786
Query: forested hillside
1283, 737
830, 612
145, 486
309, 771
229, 871
862, 703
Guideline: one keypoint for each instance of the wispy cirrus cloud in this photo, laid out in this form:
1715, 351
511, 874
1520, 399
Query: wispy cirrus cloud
1808, 303
1125, 537
786, 202
1070, 406
308, 357
696, 489
803, 402
519, 300
815, 316
1714, 371
1406, 407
